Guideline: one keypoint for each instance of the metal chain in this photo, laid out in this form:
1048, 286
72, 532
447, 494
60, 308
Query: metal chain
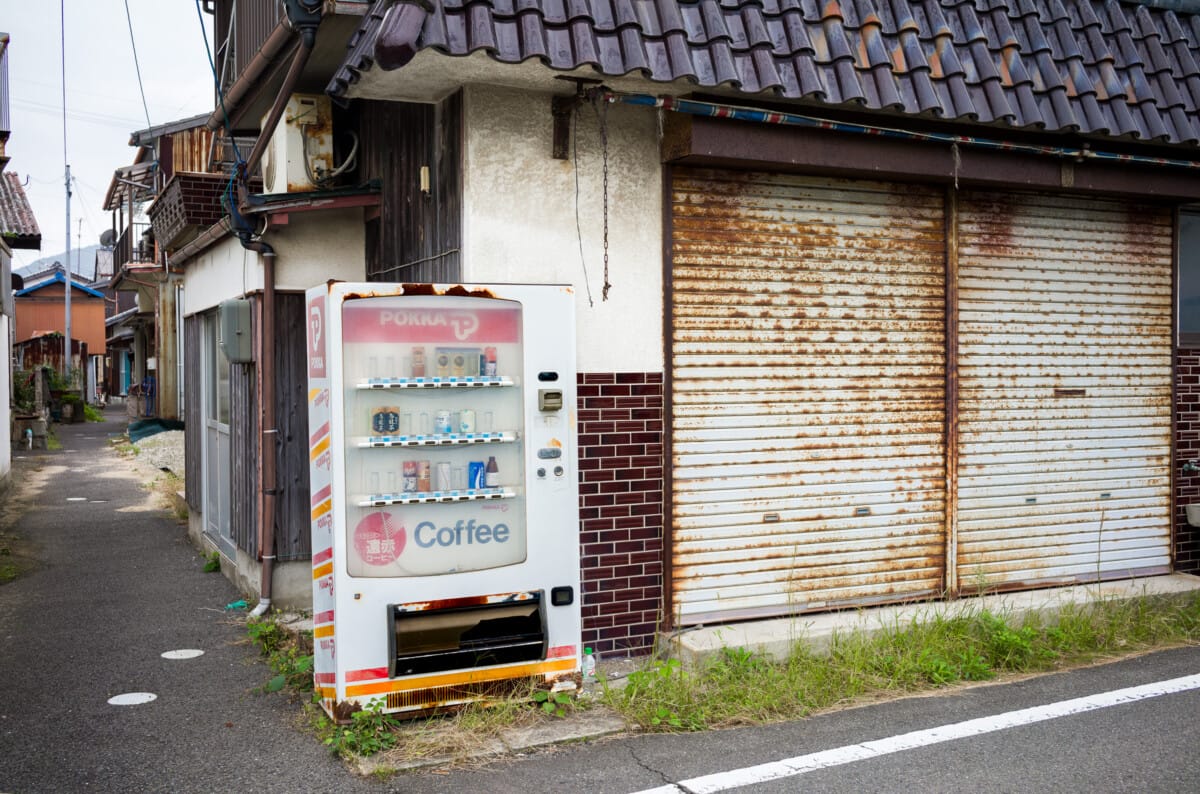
604, 149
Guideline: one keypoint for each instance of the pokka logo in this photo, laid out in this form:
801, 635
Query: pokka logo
316, 344
314, 326
380, 540
462, 324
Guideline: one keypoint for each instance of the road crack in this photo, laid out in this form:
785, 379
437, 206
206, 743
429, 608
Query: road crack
661, 774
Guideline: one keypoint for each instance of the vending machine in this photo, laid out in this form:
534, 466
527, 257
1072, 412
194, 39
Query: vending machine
445, 518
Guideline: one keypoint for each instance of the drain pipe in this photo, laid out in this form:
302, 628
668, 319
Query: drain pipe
270, 433
266, 397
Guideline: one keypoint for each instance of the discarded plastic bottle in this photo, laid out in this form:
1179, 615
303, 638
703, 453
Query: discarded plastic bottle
589, 666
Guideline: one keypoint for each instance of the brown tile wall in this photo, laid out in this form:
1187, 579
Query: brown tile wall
1187, 440
621, 508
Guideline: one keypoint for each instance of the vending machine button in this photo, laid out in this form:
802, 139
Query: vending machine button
541, 472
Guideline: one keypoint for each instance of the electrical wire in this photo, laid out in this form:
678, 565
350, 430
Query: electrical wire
587, 285
228, 198
137, 66
217, 82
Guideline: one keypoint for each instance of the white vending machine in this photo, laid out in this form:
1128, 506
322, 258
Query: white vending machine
445, 517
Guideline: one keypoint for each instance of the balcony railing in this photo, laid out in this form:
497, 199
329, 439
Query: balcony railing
135, 246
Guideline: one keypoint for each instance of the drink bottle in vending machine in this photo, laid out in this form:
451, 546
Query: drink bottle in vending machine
444, 496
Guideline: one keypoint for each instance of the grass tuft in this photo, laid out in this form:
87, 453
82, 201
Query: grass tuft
738, 686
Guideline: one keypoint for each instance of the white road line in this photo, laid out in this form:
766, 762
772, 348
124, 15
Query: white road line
788, 767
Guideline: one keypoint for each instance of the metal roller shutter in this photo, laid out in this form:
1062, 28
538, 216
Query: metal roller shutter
1065, 390
808, 393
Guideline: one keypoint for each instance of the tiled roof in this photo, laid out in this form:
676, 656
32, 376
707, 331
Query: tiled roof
17, 225
1099, 67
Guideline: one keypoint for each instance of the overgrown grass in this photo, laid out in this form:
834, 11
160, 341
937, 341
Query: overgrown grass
737, 686
92, 413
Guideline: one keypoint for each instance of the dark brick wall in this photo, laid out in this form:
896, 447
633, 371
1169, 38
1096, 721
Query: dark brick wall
621, 508
1187, 440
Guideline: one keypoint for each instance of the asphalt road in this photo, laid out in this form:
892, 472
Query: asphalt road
120, 585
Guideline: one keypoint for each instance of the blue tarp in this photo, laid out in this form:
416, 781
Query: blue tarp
144, 428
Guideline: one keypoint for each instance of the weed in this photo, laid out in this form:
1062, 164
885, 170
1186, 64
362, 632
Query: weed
212, 562
91, 414
289, 655
370, 730
556, 704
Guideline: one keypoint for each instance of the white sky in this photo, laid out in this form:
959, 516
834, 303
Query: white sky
103, 102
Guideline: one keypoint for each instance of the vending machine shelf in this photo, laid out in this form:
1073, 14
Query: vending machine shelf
424, 497
436, 440
481, 382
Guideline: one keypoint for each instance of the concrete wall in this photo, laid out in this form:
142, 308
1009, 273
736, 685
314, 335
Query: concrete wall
520, 211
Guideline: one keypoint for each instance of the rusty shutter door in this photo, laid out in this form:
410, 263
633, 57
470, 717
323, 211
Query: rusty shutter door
807, 394
1065, 390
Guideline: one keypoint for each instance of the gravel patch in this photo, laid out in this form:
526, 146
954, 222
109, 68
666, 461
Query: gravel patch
163, 451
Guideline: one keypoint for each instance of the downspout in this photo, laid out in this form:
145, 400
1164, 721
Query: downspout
266, 397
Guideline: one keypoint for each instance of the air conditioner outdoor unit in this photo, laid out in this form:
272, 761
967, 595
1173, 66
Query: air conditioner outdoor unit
300, 152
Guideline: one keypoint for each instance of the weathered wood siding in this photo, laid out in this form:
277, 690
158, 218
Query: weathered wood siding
293, 540
243, 448
418, 236
193, 417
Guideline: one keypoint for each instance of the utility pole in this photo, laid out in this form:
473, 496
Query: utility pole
67, 292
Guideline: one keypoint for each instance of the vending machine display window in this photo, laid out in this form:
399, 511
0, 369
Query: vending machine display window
433, 453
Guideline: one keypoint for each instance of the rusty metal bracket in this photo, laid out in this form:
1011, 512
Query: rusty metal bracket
562, 108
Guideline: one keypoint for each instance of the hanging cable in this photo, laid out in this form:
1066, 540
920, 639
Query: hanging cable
220, 93
578, 229
137, 66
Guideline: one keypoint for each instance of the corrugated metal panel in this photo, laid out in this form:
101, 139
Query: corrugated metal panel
807, 388
1065, 390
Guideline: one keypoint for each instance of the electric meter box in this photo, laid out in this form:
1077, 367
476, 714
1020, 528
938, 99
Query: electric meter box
445, 550
233, 327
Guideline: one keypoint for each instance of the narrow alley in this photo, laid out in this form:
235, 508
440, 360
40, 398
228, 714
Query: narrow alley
117, 586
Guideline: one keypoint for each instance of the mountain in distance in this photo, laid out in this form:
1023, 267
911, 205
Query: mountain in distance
83, 263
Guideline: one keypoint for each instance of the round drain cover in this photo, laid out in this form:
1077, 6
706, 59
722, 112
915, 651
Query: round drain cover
132, 699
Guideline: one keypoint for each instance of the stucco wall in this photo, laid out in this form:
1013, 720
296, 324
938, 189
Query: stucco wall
313, 248
520, 219
224, 271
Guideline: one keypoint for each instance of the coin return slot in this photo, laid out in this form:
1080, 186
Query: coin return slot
458, 638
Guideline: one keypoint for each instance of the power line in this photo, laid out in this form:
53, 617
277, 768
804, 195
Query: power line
136, 65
